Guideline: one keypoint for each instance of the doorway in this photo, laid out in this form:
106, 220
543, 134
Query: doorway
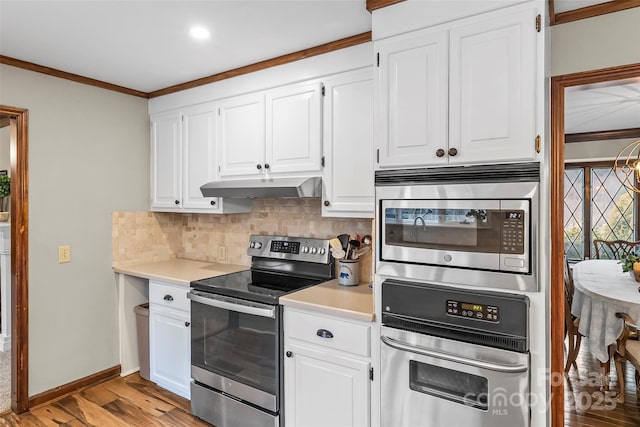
18, 120
559, 84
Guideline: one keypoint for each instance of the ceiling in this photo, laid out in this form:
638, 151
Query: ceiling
603, 107
145, 45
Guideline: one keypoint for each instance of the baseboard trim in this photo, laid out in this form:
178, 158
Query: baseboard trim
73, 387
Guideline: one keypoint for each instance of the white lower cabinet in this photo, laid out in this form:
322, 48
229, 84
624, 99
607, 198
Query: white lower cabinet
170, 337
326, 374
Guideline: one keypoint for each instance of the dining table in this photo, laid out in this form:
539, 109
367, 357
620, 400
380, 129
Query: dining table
602, 289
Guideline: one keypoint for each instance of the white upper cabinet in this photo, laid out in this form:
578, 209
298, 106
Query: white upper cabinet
492, 89
241, 135
294, 134
273, 132
347, 179
412, 99
183, 157
199, 153
166, 167
459, 93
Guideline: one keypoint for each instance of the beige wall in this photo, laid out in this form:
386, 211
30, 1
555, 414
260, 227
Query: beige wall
594, 43
595, 150
88, 157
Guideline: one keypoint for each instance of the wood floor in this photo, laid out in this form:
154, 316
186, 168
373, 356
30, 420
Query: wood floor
120, 402
587, 406
132, 401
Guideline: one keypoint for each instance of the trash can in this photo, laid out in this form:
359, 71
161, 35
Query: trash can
142, 325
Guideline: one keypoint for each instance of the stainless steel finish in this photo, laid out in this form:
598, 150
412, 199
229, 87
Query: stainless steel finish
235, 388
497, 367
260, 246
232, 304
264, 187
439, 269
221, 410
507, 395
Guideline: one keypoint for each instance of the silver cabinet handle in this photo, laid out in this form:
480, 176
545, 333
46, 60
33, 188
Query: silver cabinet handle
324, 333
496, 367
247, 307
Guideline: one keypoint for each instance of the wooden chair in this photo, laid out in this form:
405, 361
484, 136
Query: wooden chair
613, 249
629, 350
571, 322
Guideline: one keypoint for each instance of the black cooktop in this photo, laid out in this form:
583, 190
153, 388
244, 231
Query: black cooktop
254, 285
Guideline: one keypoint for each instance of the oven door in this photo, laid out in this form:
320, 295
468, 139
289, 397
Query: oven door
432, 382
235, 348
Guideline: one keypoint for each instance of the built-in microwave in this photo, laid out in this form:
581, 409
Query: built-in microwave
467, 225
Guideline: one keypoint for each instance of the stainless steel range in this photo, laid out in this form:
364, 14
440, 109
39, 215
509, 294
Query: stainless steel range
236, 331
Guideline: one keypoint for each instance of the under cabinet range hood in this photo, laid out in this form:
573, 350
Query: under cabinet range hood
264, 188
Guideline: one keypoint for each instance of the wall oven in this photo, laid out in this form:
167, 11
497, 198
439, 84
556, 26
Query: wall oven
453, 357
473, 225
236, 331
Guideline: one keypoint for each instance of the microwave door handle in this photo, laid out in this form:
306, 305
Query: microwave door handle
231, 306
496, 367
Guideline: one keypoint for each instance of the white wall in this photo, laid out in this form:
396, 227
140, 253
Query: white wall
599, 42
88, 156
595, 150
5, 139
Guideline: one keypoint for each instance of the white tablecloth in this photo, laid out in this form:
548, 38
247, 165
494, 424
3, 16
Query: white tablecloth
601, 290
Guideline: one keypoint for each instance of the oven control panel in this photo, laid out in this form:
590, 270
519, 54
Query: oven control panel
293, 248
489, 313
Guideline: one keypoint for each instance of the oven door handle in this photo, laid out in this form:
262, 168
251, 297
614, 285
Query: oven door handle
496, 367
235, 305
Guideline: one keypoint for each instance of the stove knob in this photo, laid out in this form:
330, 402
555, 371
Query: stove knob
322, 251
314, 250
257, 245
252, 244
305, 249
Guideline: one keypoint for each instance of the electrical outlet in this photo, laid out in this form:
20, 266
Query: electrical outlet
222, 253
64, 254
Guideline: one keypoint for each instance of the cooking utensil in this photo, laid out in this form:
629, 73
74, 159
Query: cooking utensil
344, 240
367, 239
338, 253
353, 245
363, 250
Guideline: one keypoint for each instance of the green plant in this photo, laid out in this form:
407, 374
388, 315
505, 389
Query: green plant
5, 192
628, 260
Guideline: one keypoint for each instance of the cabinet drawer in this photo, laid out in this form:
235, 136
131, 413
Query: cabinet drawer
338, 334
170, 296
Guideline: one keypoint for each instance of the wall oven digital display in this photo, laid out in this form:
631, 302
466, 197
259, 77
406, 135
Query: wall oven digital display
473, 311
284, 246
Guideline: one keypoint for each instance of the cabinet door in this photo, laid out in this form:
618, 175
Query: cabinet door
293, 142
348, 146
411, 99
200, 163
241, 133
324, 389
170, 350
165, 161
492, 94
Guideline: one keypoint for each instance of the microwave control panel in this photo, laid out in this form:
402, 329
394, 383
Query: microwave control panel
470, 310
513, 232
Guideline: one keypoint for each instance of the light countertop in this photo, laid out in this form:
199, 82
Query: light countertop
179, 271
352, 302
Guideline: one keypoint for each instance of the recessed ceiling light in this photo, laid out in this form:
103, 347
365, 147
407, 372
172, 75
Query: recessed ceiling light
199, 33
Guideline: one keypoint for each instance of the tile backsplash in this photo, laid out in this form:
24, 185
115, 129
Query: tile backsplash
140, 237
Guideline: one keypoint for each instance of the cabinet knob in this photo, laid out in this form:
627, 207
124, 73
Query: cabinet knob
168, 297
187, 324
177, 202
289, 354
453, 151
440, 152
267, 166
327, 203
259, 166
213, 203
324, 333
